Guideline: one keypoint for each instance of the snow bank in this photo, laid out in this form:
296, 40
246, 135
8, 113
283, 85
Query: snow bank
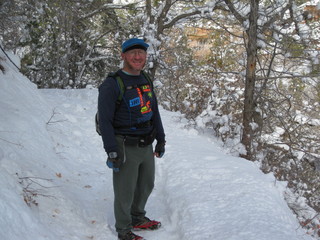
25, 148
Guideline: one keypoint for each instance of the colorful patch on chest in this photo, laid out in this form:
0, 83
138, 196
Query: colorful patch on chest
134, 102
144, 92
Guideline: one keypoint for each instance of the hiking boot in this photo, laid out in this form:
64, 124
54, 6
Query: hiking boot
129, 236
147, 224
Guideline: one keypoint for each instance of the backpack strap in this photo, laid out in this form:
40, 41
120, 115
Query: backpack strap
120, 83
148, 79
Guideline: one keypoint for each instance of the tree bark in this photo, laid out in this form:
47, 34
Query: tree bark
249, 104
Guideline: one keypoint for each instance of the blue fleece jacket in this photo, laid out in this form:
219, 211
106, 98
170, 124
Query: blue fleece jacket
138, 105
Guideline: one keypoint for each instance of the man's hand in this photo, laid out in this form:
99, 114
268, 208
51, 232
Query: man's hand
159, 149
114, 161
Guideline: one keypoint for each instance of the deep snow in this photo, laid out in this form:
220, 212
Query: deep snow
49, 147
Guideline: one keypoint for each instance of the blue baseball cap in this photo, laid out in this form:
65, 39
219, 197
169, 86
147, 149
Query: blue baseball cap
134, 43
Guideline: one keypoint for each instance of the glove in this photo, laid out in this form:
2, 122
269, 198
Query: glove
159, 150
114, 161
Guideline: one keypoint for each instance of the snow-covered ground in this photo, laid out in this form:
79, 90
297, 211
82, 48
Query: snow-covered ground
55, 184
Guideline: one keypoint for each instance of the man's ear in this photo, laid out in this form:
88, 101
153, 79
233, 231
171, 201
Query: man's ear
122, 56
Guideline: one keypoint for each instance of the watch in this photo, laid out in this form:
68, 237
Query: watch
113, 154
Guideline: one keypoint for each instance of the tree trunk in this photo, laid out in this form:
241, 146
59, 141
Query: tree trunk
249, 105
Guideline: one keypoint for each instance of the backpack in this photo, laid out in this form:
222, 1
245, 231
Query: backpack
122, 91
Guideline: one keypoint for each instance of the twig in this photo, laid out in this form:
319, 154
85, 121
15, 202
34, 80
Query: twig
52, 116
29, 193
17, 144
9, 58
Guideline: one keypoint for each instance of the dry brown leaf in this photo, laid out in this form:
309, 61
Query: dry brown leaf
59, 175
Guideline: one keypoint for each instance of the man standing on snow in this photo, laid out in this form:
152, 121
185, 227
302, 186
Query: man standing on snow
128, 128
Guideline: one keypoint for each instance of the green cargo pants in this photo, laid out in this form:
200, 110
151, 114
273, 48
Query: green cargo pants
133, 184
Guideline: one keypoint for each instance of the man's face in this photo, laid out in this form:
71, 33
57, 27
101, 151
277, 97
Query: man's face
134, 60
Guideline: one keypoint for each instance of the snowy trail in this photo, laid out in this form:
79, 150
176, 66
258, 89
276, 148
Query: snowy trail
200, 193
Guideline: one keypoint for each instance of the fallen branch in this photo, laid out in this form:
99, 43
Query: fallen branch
30, 193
